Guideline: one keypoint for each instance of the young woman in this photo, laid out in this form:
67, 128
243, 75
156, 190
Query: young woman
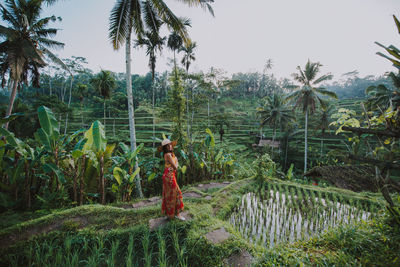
172, 203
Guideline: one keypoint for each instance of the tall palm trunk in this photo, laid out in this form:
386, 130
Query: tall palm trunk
191, 121
187, 107
176, 73
104, 114
208, 113
154, 123
12, 99
132, 132
273, 139
305, 142
51, 88
82, 181
102, 181
286, 150
69, 103
322, 143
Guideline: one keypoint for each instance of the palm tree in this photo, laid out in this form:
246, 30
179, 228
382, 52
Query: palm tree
153, 43
135, 15
275, 113
383, 97
25, 45
175, 42
188, 57
394, 52
104, 82
307, 94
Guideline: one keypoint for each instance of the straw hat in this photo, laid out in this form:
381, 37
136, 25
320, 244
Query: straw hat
166, 142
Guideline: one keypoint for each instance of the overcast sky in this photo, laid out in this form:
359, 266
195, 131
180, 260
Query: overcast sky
245, 33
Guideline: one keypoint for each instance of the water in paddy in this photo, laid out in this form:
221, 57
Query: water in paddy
284, 217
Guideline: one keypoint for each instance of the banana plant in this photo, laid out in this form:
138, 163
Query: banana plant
126, 159
125, 183
49, 137
98, 154
17, 160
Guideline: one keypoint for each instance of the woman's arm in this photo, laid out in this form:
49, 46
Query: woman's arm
169, 158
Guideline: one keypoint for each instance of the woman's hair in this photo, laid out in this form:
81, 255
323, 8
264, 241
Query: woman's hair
166, 150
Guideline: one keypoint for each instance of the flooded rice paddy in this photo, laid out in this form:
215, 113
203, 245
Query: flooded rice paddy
293, 214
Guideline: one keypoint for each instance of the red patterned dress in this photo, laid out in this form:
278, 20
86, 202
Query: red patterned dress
172, 202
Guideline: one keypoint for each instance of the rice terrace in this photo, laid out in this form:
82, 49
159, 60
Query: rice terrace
199, 133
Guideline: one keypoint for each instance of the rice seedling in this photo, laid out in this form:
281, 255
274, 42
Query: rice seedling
146, 249
112, 257
293, 214
162, 255
129, 255
180, 251
96, 255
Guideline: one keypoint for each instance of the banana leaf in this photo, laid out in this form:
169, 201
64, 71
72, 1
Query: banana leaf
51, 167
132, 178
48, 122
119, 174
11, 117
151, 177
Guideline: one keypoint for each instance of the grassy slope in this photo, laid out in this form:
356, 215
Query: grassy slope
372, 243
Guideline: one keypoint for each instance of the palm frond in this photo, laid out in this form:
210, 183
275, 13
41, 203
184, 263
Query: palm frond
50, 32
323, 78
136, 17
397, 23
8, 17
395, 79
50, 43
40, 24
170, 19
8, 32
323, 91
56, 60
293, 95
119, 23
151, 19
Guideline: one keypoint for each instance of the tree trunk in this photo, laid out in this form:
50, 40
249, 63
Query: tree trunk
50, 85
187, 106
104, 114
154, 123
305, 142
208, 113
286, 150
11, 102
273, 139
191, 126
82, 115
132, 132
82, 181
114, 127
75, 184
322, 144
102, 181
69, 103
27, 187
